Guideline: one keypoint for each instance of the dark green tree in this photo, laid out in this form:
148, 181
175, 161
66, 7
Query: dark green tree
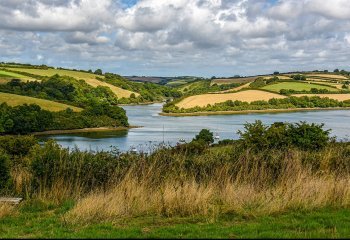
98, 72
205, 135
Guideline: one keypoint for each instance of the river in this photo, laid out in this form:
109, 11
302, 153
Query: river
156, 128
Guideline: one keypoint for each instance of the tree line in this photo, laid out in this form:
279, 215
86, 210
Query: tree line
26, 119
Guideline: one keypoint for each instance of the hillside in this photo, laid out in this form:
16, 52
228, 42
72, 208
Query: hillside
89, 78
7, 75
16, 100
246, 96
298, 86
288, 91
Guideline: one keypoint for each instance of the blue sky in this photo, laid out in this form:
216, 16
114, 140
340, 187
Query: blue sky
178, 37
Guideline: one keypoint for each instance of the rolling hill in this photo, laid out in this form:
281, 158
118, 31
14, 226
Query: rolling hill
244, 96
89, 78
15, 100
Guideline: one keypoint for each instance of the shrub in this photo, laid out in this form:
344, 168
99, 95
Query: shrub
19, 145
205, 135
279, 135
308, 136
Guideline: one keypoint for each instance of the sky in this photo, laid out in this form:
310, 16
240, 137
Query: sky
178, 37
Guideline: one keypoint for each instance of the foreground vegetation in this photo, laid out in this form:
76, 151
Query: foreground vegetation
283, 180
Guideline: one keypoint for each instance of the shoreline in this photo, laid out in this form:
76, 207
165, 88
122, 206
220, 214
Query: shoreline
83, 130
136, 104
251, 111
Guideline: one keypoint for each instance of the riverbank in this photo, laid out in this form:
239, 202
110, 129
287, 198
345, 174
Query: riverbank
251, 111
84, 130
144, 103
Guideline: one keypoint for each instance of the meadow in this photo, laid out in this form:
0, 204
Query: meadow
246, 96
16, 100
297, 86
89, 78
7, 74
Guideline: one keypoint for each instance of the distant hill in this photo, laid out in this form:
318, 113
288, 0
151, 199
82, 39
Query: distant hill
89, 78
109, 86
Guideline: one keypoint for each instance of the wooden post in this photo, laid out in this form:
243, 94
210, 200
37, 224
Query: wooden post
14, 201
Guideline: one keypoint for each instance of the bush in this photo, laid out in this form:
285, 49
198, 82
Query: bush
84, 171
17, 146
279, 135
205, 135
308, 136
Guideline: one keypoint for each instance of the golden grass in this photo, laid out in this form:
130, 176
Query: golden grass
335, 76
222, 81
4, 80
89, 78
283, 77
245, 96
324, 82
339, 97
6, 210
121, 93
132, 198
15, 100
297, 86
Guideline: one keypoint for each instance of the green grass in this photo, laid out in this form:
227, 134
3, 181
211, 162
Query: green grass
15, 100
176, 83
38, 220
297, 86
6, 74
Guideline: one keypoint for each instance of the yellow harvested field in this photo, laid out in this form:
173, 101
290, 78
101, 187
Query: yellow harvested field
15, 100
89, 78
335, 76
221, 81
339, 97
116, 90
336, 85
283, 77
245, 96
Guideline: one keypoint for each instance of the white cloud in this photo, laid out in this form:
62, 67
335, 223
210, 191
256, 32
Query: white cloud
207, 37
347, 38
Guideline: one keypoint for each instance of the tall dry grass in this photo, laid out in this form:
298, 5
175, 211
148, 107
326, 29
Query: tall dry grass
247, 186
6, 210
131, 198
183, 182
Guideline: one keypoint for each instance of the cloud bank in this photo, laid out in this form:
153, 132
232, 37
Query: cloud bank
178, 37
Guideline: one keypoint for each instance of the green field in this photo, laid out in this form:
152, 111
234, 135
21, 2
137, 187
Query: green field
37, 220
176, 83
6, 74
89, 78
297, 86
15, 100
